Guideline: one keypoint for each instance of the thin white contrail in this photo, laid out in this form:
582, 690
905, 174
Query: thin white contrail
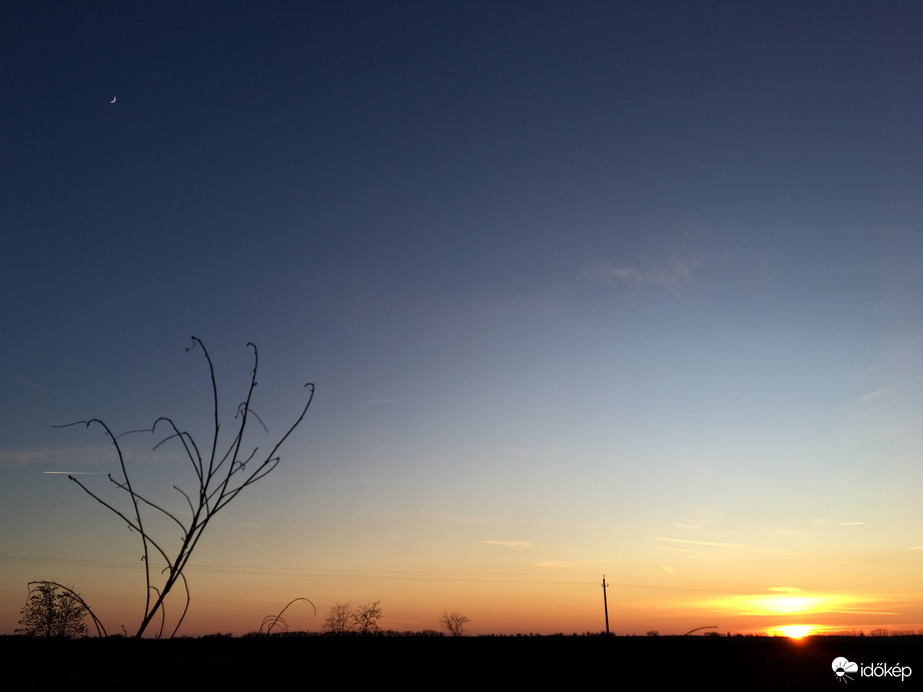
76, 473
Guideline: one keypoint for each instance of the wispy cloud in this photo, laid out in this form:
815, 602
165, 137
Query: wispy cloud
69, 456
698, 527
516, 545
783, 532
691, 527
829, 522
445, 517
372, 481
873, 396
34, 386
872, 403
685, 541
530, 451
671, 275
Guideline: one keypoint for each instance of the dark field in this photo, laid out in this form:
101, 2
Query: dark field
738, 663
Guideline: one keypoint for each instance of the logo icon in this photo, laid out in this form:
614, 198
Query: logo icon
841, 666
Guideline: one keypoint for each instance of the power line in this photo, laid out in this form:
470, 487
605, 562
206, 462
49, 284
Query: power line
625, 581
425, 575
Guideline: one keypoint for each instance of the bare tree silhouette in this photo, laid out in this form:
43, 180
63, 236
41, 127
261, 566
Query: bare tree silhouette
220, 477
365, 618
48, 613
454, 622
342, 618
339, 618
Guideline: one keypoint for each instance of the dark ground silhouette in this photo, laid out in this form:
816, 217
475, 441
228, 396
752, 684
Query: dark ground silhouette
751, 663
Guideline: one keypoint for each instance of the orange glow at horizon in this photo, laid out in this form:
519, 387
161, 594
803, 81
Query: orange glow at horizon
797, 614
780, 605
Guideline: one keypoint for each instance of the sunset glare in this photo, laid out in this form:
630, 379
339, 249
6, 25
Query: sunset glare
796, 631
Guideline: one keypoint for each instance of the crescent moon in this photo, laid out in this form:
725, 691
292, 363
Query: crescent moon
113, 99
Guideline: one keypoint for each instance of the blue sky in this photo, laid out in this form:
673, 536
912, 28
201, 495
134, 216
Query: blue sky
589, 287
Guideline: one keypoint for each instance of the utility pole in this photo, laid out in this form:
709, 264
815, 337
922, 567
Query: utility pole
605, 605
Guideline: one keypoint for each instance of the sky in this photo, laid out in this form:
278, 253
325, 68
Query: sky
599, 288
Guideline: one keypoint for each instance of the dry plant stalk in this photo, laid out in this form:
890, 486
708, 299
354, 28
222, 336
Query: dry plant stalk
220, 479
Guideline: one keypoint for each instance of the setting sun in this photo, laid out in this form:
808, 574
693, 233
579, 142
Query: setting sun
795, 631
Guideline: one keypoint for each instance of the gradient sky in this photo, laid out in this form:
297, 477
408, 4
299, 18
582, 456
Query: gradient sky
620, 288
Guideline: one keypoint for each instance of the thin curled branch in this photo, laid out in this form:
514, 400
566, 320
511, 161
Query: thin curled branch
271, 621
